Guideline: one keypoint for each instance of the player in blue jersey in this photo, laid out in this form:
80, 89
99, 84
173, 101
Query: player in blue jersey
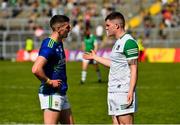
50, 69
123, 70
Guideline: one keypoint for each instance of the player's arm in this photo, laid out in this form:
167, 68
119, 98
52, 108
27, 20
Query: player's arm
37, 68
99, 59
133, 64
131, 53
38, 71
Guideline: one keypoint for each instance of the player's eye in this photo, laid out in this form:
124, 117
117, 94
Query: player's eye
68, 27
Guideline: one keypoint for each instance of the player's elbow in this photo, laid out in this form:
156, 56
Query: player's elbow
34, 70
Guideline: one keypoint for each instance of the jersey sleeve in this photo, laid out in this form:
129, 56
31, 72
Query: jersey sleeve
45, 50
131, 49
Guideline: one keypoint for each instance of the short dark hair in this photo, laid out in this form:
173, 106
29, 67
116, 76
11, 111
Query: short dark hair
58, 19
116, 15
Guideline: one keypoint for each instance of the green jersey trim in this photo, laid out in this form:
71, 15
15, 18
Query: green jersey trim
131, 49
50, 43
50, 101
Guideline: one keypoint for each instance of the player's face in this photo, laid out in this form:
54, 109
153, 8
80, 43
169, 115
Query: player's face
110, 28
64, 30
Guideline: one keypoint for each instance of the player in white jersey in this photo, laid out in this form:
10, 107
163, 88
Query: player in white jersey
123, 70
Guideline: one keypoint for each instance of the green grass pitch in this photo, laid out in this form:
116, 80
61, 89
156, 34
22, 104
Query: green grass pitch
158, 92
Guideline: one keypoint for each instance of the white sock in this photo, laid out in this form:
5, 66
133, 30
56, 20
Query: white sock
83, 75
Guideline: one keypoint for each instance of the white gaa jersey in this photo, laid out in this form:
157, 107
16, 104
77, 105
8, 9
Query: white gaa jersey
124, 49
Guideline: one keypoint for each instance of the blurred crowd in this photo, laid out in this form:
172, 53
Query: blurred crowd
91, 13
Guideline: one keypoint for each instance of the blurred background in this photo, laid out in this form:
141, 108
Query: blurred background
154, 23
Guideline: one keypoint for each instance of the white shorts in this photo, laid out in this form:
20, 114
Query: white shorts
55, 102
89, 61
117, 104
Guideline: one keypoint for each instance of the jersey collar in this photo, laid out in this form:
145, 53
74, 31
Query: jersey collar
123, 35
57, 42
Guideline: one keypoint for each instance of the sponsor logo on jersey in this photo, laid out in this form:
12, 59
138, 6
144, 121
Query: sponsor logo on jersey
118, 47
56, 103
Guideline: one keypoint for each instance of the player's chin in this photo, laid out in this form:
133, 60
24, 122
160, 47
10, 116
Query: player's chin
108, 34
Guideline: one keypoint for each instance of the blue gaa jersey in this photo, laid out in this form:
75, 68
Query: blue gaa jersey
55, 68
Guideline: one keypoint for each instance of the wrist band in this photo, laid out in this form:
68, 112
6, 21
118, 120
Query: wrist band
48, 81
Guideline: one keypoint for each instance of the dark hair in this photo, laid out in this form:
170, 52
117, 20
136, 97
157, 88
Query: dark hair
116, 15
58, 19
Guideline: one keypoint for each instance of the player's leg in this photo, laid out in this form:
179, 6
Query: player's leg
125, 119
84, 70
114, 120
52, 105
66, 114
119, 108
97, 70
51, 116
66, 117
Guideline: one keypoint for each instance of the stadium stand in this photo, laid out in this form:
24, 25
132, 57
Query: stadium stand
157, 21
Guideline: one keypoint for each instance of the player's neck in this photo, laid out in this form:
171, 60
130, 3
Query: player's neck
120, 34
55, 36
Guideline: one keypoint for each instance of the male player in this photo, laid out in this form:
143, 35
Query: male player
89, 43
123, 65
50, 69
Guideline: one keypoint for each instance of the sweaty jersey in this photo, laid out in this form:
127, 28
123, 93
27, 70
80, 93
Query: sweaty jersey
89, 43
124, 49
55, 68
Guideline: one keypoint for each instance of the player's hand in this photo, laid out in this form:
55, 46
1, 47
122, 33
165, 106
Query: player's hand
93, 52
88, 55
130, 98
55, 83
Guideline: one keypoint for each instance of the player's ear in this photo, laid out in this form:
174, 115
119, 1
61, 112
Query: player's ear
117, 26
56, 29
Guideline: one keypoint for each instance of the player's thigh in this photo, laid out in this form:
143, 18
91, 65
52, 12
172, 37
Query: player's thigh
125, 119
51, 116
66, 117
85, 64
114, 120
